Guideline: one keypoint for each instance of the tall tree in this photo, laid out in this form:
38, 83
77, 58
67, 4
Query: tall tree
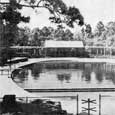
23, 37
100, 28
88, 30
10, 17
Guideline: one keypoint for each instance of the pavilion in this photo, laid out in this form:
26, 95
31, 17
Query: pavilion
63, 48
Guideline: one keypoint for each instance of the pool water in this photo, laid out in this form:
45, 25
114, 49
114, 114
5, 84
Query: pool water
66, 74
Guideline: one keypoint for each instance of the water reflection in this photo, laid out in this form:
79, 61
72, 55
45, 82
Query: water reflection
36, 69
64, 77
110, 76
86, 74
70, 74
20, 75
99, 76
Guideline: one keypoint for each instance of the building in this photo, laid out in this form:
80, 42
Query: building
64, 48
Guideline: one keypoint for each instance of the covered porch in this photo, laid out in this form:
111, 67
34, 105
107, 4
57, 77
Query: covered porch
64, 49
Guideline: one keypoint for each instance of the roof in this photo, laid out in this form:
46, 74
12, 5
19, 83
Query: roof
26, 47
63, 44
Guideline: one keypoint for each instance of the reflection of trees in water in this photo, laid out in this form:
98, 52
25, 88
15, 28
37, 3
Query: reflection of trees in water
36, 69
102, 71
113, 77
15, 73
110, 72
60, 77
98, 66
99, 76
93, 67
67, 77
21, 75
64, 77
86, 74
62, 65
99, 71
110, 76
105, 71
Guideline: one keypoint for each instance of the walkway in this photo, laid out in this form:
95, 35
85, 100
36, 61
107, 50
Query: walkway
7, 86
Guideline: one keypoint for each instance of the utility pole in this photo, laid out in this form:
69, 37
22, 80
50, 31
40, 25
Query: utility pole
99, 104
77, 105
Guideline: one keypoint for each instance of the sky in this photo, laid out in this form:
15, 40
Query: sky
93, 11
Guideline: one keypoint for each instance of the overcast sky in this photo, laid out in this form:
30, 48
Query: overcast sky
92, 11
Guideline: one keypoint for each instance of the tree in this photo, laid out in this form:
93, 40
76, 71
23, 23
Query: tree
79, 36
109, 34
45, 31
23, 37
84, 33
68, 35
110, 28
40, 35
59, 34
74, 15
10, 17
88, 31
100, 28
52, 32
60, 13
36, 41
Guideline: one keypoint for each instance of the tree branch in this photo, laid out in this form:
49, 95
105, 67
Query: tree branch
39, 2
32, 6
19, 1
23, 5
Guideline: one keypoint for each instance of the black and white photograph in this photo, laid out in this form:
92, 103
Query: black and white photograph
57, 57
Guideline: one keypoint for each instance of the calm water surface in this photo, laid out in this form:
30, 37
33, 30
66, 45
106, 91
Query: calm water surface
65, 74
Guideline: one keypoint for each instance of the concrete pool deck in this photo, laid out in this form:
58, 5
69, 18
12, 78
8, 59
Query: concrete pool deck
7, 86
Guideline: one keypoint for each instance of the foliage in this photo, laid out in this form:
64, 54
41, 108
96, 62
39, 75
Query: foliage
73, 15
89, 37
88, 28
68, 34
23, 37
60, 13
36, 41
58, 9
11, 17
6, 54
103, 35
38, 36
99, 29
